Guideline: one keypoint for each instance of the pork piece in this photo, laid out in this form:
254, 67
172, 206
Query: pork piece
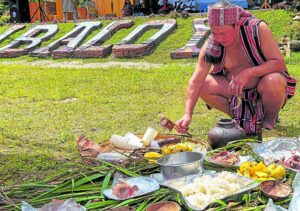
123, 190
88, 148
226, 158
291, 162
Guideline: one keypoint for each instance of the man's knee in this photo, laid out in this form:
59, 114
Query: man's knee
209, 87
214, 85
272, 84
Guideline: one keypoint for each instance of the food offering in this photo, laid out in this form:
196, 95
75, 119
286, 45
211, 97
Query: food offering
285, 151
261, 172
164, 206
174, 148
276, 190
228, 158
200, 191
131, 187
164, 145
170, 144
292, 163
123, 190
152, 157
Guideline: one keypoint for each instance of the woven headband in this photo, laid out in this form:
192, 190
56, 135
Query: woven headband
226, 16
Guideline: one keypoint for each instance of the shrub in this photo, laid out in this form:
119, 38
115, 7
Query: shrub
296, 5
4, 19
295, 31
3, 7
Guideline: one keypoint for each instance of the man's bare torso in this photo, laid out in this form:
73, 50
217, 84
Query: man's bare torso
235, 62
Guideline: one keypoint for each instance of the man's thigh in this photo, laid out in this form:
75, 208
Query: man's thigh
215, 85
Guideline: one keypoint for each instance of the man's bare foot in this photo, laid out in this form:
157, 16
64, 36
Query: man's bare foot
268, 125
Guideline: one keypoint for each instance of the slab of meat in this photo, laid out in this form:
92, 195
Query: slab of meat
123, 190
226, 158
292, 162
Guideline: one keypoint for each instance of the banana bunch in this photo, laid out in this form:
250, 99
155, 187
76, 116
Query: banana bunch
261, 172
174, 148
152, 156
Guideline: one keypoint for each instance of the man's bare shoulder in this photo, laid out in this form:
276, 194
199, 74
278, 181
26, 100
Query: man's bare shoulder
263, 28
268, 43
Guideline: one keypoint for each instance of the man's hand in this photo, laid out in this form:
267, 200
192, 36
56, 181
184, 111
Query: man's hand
238, 82
183, 123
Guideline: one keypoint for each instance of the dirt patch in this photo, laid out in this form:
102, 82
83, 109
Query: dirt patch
84, 65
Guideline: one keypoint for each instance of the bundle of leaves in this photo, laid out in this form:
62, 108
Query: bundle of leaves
86, 184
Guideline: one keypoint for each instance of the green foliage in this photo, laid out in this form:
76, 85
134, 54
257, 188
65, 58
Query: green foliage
81, 3
4, 19
279, 21
3, 7
295, 31
296, 5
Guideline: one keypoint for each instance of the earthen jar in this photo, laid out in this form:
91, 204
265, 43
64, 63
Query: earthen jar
225, 131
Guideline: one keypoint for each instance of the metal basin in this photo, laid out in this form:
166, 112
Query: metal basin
181, 164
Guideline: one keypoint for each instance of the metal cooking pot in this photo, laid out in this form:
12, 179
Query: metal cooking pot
181, 164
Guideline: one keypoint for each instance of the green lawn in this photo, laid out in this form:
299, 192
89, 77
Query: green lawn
44, 110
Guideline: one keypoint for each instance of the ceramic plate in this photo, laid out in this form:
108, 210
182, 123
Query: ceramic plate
145, 184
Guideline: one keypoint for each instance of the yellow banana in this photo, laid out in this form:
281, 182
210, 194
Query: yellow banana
152, 155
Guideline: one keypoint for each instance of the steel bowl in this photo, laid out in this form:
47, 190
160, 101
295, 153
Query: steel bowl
181, 164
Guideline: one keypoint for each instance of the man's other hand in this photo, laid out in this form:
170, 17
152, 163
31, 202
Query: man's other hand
238, 83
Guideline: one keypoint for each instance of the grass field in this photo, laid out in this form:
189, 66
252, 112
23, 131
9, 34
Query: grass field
44, 110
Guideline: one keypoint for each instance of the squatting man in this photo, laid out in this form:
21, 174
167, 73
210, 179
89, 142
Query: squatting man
240, 71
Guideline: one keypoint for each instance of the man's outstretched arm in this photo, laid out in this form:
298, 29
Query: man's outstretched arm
193, 90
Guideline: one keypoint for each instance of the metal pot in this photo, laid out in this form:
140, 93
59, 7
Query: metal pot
181, 164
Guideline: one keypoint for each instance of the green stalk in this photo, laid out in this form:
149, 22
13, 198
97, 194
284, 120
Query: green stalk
89, 198
101, 204
77, 183
63, 196
125, 171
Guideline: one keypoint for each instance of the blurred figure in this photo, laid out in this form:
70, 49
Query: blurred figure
178, 6
165, 8
69, 6
190, 6
127, 9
